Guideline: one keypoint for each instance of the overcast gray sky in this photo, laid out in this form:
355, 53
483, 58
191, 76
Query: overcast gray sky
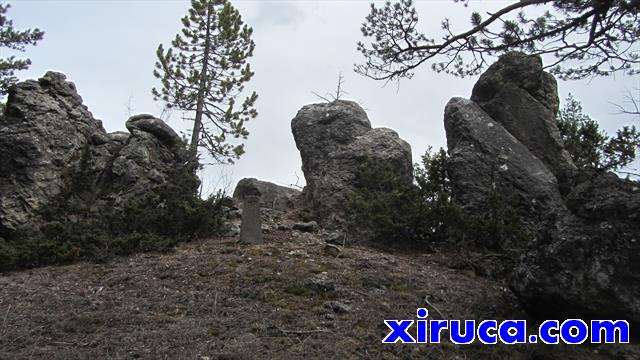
108, 49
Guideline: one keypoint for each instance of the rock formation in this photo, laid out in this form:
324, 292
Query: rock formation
516, 93
333, 139
583, 260
588, 266
484, 157
48, 139
272, 196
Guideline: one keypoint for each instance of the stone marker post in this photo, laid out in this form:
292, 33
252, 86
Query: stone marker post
251, 227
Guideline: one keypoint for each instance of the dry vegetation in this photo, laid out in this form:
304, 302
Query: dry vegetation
292, 297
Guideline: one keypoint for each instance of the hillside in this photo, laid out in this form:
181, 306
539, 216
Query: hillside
292, 297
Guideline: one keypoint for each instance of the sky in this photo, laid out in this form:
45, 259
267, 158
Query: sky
107, 48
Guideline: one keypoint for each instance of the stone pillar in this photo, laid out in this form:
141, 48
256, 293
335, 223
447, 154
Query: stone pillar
251, 227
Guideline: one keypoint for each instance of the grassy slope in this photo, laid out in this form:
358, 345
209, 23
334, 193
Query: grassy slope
216, 299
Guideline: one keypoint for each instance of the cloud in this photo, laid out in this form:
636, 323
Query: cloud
278, 13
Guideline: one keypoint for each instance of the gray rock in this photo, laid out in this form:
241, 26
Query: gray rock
601, 197
320, 283
310, 226
154, 126
251, 227
590, 267
522, 71
583, 258
272, 196
332, 250
142, 162
333, 139
42, 137
119, 136
484, 156
337, 307
47, 134
99, 138
518, 94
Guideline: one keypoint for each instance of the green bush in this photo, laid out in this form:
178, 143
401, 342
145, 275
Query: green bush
425, 210
589, 146
394, 210
496, 225
8, 254
169, 214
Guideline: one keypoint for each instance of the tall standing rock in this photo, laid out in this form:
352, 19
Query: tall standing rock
333, 140
583, 258
484, 157
518, 94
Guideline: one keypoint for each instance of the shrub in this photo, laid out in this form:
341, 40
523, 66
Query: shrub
496, 225
169, 214
395, 210
426, 210
589, 146
384, 204
8, 254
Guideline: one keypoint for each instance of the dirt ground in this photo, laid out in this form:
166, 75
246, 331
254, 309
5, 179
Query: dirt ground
293, 297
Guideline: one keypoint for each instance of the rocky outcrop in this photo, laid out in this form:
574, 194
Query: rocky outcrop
519, 95
583, 259
48, 139
42, 134
144, 160
333, 139
589, 266
485, 157
271, 196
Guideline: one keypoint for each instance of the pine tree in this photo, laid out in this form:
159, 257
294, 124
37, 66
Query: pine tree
15, 40
586, 37
591, 147
203, 73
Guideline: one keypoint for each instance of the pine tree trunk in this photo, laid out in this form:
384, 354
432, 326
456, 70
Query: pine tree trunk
197, 125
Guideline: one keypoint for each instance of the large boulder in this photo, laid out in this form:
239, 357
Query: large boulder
517, 93
156, 127
48, 139
271, 196
590, 266
43, 132
485, 157
333, 140
583, 257
142, 161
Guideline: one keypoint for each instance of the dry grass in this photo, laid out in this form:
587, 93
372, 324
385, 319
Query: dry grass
216, 299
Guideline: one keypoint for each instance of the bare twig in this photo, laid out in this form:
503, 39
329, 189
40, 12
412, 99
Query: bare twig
4, 322
215, 303
304, 331
340, 92
631, 103
129, 106
35, 346
629, 173
426, 301
297, 181
321, 97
